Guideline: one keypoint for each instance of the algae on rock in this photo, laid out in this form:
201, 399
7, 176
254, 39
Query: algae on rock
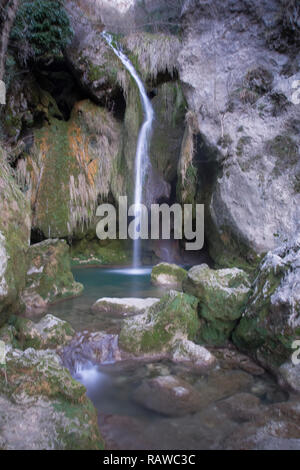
49, 276
155, 331
222, 296
70, 167
271, 321
14, 240
40, 387
165, 274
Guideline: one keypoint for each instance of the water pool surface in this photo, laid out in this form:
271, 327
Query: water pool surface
102, 282
134, 413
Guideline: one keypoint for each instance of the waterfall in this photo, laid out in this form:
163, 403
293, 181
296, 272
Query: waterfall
142, 161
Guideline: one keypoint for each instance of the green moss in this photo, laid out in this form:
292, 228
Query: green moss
154, 331
112, 252
81, 432
244, 140
285, 149
262, 332
222, 298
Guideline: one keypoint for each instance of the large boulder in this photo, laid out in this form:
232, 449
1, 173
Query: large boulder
174, 316
169, 275
246, 123
222, 295
14, 239
49, 333
271, 321
41, 392
49, 276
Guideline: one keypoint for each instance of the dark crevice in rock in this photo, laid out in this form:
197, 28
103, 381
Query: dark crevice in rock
36, 236
162, 77
57, 79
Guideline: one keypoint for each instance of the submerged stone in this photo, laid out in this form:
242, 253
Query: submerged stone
168, 395
186, 351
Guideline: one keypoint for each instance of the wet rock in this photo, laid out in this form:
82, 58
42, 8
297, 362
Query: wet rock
49, 333
169, 275
222, 295
265, 433
185, 351
173, 317
49, 276
242, 406
124, 433
96, 348
232, 359
41, 397
289, 376
271, 320
158, 369
123, 306
168, 395
220, 384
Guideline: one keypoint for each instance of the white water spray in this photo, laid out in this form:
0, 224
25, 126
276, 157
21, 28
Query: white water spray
142, 161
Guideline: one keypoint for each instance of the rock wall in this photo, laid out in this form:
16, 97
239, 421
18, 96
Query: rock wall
238, 83
14, 239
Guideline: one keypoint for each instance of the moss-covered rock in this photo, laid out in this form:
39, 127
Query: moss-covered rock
49, 333
170, 275
70, 166
222, 296
27, 104
49, 276
155, 331
40, 391
14, 240
271, 321
8, 334
170, 107
96, 67
110, 252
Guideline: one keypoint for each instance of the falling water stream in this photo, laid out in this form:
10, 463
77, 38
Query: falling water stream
142, 160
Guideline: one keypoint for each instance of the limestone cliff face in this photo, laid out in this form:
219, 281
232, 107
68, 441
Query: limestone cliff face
226, 131
237, 65
14, 239
70, 165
